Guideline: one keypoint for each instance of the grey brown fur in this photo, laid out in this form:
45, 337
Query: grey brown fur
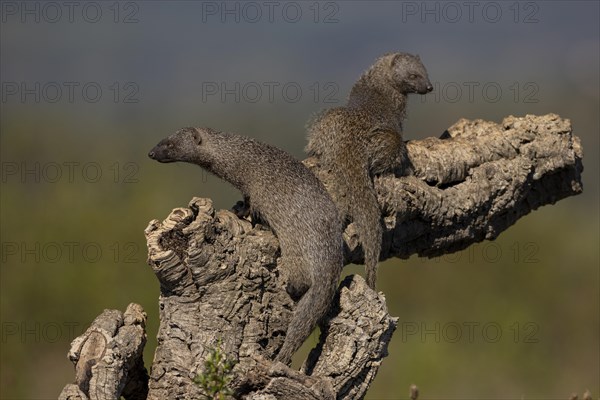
364, 139
290, 199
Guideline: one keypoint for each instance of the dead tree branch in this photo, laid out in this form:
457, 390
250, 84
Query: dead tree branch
473, 183
220, 284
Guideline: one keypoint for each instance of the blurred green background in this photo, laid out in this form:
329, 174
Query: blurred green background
89, 88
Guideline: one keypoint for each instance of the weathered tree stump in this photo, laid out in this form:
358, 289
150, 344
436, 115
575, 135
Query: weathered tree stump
220, 285
108, 357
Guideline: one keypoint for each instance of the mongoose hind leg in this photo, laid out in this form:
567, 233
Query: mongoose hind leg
300, 288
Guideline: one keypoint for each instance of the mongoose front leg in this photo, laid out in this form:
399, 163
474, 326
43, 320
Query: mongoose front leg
242, 208
388, 151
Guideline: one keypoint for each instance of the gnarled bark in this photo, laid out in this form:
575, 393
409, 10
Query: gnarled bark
220, 284
108, 358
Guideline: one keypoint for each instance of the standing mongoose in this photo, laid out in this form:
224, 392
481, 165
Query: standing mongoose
364, 139
286, 195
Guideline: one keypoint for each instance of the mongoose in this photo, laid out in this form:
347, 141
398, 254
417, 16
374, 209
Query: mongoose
286, 196
364, 139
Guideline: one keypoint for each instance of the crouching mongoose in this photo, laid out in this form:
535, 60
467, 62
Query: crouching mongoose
287, 197
364, 139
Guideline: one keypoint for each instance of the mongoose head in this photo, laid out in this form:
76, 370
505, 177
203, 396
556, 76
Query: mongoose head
406, 73
184, 145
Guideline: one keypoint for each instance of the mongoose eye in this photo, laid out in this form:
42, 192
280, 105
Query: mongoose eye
413, 76
170, 145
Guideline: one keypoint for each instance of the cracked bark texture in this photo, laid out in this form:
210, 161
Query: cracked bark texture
220, 282
108, 358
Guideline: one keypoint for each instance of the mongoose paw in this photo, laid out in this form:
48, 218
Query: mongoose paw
241, 209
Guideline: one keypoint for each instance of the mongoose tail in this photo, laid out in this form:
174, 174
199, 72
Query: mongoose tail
310, 310
360, 203
370, 235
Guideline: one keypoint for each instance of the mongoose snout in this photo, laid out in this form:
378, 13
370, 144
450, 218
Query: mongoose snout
428, 89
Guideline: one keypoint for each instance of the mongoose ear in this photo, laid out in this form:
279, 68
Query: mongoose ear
417, 57
197, 137
395, 58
